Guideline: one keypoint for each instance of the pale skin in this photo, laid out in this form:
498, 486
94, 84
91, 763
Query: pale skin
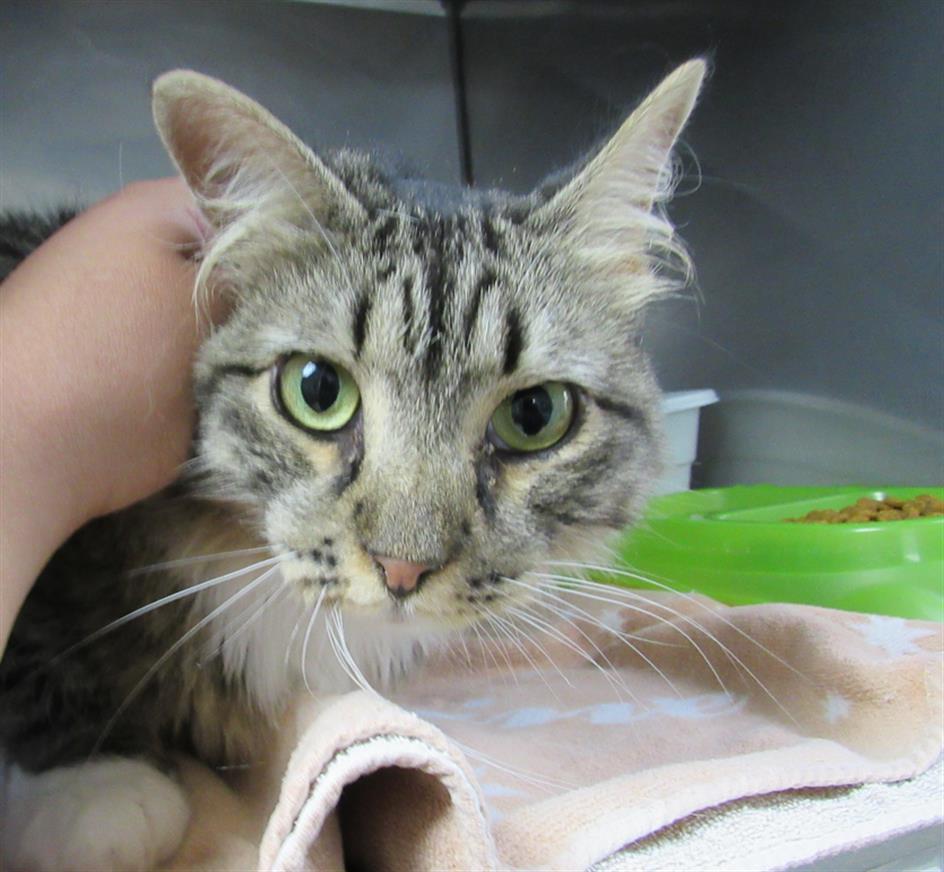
97, 337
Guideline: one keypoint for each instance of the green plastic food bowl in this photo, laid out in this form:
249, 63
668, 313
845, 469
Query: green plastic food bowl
734, 545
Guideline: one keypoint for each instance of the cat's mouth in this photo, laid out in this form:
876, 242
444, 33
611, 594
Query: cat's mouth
354, 594
451, 597
403, 617
438, 608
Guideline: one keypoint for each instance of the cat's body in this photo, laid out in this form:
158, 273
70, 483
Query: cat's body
498, 413
56, 707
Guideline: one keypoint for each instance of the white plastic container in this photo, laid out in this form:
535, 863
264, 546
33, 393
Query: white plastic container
681, 409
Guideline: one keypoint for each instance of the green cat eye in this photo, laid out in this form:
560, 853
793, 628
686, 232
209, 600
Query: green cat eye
317, 394
535, 418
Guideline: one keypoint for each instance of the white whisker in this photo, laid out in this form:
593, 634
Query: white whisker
197, 558
578, 587
333, 642
571, 618
269, 601
572, 586
490, 627
311, 623
623, 637
537, 625
465, 649
152, 671
338, 617
483, 646
163, 601
218, 637
513, 632
522, 774
291, 639
554, 632
660, 583
335, 626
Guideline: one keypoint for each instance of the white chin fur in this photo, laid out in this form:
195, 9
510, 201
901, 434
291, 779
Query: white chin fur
268, 640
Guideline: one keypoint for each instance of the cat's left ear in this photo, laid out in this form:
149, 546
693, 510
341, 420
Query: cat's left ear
607, 208
234, 154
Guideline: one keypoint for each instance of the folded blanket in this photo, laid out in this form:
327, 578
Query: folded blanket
677, 734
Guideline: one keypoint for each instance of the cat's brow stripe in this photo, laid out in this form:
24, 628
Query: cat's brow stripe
240, 369
407, 313
483, 286
629, 413
359, 327
490, 237
514, 340
437, 287
211, 385
383, 233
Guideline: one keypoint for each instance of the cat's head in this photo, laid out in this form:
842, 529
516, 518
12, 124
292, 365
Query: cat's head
423, 400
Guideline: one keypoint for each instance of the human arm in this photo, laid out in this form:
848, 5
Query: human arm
97, 336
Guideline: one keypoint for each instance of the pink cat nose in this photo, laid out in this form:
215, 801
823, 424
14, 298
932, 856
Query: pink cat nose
402, 577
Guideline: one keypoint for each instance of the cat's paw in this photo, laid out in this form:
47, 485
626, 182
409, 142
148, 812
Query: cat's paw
108, 814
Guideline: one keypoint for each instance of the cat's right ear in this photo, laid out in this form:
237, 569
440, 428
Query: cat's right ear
234, 154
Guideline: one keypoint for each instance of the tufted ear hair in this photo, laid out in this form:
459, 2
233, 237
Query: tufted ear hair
226, 146
262, 190
608, 209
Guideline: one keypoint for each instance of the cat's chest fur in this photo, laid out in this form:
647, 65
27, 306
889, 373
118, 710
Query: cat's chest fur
259, 641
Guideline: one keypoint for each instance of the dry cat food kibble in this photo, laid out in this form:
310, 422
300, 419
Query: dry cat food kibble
865, 509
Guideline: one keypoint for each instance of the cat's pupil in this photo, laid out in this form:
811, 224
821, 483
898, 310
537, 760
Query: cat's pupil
531, 410
320, 385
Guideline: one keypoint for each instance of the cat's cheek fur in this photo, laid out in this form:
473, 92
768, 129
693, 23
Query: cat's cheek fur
310, 520
108, 814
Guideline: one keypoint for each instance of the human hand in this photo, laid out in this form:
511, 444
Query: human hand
97, 336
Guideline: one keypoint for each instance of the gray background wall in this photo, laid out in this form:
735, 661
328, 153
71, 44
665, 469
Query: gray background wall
75, 78
816, 227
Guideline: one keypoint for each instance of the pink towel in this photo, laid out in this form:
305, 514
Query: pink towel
495, 758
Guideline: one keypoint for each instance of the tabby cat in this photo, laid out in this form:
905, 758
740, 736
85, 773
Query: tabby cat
415, 401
